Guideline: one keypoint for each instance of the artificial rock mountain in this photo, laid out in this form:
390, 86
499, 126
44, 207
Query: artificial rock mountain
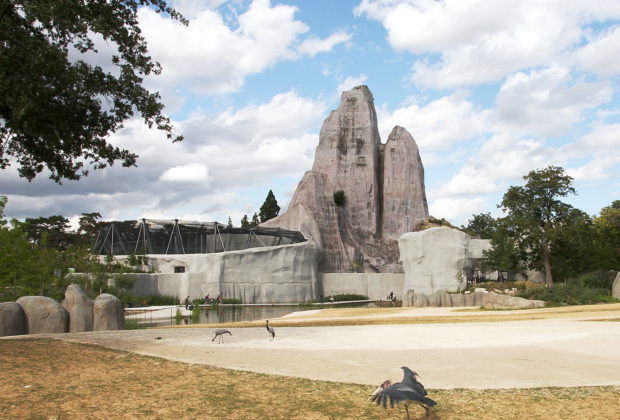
383, 186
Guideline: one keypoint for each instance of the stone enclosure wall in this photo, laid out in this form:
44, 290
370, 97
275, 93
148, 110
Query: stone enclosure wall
286, 273
375, 286
43, 315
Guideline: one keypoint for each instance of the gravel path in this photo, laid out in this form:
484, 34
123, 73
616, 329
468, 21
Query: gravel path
535, 353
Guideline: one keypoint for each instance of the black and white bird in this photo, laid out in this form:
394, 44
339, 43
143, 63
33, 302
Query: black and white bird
220, 333
409, 391
271, 331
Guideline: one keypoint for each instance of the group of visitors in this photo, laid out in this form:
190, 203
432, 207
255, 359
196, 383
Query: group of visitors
208, 300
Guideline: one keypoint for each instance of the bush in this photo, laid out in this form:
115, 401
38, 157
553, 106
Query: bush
339, 198
347, 297
600, 279
490, 285
232, 301
568, 294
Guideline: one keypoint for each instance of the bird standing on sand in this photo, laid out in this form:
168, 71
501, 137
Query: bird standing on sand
409, 390
271, 331
220, 333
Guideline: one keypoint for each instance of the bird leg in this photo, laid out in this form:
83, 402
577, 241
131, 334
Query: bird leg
407, 408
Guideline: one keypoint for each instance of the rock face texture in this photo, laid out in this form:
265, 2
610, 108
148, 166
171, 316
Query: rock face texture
490, 300
383, 186
44, 315
615, 288
108, 313
433, 258
12, 319
286, 273
80, 309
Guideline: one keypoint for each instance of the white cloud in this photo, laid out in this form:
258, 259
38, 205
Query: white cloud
600, 55
477, 41
457, 210
313, 46
440, 124
210, 56
350, 82
189, 173
547, 102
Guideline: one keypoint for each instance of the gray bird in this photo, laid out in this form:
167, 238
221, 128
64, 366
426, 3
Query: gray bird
271, 331
409, 391
220, 333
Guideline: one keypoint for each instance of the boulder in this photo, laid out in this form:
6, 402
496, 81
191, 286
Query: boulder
494, 300
420, 300
383, 186
44, 315
108, 313
615, 288
436, 258
468, 299
80, 309
12, 319
457, 299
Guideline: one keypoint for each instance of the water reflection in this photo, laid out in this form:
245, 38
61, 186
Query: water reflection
219, 314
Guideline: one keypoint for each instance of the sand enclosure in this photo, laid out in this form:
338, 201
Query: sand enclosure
575, 349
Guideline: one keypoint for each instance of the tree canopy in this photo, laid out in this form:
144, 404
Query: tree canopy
56, 110
270, 208
482, 225
534, 218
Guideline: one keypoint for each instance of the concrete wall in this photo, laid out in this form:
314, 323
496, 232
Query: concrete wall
432, 258
286, 273
375, 286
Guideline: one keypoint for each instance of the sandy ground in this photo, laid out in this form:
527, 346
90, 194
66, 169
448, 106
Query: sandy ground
533, 353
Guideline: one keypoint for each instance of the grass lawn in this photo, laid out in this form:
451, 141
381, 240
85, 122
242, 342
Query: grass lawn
48, 379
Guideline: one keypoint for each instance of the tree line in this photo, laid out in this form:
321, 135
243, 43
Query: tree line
538, 231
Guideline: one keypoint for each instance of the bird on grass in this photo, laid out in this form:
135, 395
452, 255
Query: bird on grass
271, 331
409, 391
220, 333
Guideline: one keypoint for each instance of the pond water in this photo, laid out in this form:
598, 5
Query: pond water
218, 314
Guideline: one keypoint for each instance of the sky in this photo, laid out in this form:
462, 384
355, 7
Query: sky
490, 90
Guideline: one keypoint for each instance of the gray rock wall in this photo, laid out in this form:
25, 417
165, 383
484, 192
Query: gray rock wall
615, 288
275, 274
12, 319
383, 186
374, 285
432, 258
490, 300
44, 315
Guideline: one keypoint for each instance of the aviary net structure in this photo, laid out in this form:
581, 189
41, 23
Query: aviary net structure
149, 236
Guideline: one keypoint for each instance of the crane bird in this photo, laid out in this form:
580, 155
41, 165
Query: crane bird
271, 331
409, 391
220, 333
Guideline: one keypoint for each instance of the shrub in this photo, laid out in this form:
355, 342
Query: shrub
346, 297
568, 294
339, 198
600, 279
232, 301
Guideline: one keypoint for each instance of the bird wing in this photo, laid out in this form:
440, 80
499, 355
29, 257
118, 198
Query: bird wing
400, 392
410, 379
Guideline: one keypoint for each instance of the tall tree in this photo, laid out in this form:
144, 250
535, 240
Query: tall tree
245, 223
49, 232
57, 110
270, 208
3, 201
254, 223
482, 224
607, 225
89, 226
534, 215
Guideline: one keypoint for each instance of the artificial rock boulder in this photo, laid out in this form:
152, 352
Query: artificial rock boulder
487, 300
12, 319
108, 313
383, 186
615, 288
437, 258
44, 315
80, 309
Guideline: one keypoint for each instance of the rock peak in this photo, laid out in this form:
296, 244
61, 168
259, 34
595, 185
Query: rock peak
383, 186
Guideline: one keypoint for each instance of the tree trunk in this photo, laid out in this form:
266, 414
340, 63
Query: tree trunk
547, 264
